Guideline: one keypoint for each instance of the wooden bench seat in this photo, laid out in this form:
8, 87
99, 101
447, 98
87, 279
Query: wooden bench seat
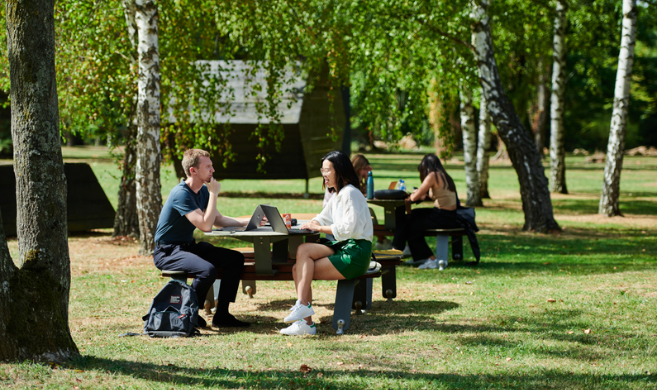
442, 240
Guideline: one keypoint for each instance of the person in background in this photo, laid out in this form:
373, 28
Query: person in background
347, 218
439, 187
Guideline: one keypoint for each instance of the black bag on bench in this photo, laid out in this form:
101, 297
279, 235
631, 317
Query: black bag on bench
173, 313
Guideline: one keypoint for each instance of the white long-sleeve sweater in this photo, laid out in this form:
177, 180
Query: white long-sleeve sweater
348, 215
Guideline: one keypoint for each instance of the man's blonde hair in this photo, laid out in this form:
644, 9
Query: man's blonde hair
191, 158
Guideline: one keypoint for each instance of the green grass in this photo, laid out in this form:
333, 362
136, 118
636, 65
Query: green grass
486, 327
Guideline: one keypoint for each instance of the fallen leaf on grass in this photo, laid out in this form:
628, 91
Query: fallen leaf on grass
508, 359
289, 344
552, 300
319, 375
546, 263
339, 363
305, 368
570, 332
587, 331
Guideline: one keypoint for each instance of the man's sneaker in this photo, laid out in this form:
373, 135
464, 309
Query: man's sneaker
299, 311
383, 245
429, 264
300, 328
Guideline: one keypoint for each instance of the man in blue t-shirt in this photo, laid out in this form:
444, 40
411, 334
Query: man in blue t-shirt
192, 205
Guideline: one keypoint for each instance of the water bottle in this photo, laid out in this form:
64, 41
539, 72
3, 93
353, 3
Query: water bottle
370, 185
402, 185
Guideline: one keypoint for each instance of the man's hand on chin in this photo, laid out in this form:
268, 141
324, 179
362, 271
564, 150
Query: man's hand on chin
213, 186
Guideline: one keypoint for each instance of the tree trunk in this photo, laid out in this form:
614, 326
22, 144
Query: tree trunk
614, 162
469, 147
346, 103
536, 203
147, 173
537, 114
483, 146
557, 151
126, 220
443, 143
34, 295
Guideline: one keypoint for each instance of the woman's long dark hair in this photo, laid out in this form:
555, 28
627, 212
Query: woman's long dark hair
431, 163
344, 171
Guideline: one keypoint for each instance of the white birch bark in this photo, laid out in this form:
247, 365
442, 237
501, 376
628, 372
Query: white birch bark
557, 151
483, 145
469, 146
614, 161
147, 172
536, 202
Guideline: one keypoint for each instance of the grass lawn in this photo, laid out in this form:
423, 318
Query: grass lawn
575, 310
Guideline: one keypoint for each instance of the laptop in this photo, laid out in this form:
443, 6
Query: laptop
254, 222
277, 223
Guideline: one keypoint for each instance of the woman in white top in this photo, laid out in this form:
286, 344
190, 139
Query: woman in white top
347, 218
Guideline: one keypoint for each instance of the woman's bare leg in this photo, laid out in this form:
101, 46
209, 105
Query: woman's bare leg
312, 263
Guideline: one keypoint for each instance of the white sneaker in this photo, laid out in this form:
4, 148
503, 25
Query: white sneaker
299, 312
300, 328
297, 303
383, 245
429, 264
407, 251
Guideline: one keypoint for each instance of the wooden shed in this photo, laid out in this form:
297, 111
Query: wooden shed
87, 205
306, 118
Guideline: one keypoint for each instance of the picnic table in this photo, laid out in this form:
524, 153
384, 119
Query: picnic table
274, 255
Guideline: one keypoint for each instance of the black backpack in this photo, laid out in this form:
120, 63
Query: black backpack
174, 312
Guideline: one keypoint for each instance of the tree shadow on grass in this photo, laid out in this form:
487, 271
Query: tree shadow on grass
564, 326
393, 374
388, 317
551, 254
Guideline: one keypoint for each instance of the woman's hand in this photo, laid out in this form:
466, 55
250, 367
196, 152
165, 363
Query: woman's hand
312, 225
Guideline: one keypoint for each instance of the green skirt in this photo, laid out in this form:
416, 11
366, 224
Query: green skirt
352, 257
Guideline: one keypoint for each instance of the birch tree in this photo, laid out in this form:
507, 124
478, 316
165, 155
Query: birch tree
126, 220
35, 291
536, 202
557, 151
147, 172
483, 146
469, 147
614, 161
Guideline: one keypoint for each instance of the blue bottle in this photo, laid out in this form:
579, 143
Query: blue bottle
402, 185
370, 186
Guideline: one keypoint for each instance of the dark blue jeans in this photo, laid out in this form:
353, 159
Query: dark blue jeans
411, 229
203, 260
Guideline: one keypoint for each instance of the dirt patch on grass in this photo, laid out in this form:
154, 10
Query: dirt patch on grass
105, 254
635, 221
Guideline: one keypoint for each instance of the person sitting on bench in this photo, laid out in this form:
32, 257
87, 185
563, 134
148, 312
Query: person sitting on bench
191, 205
439, 186
347, 218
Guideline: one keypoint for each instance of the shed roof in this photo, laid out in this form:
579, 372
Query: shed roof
246, 87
